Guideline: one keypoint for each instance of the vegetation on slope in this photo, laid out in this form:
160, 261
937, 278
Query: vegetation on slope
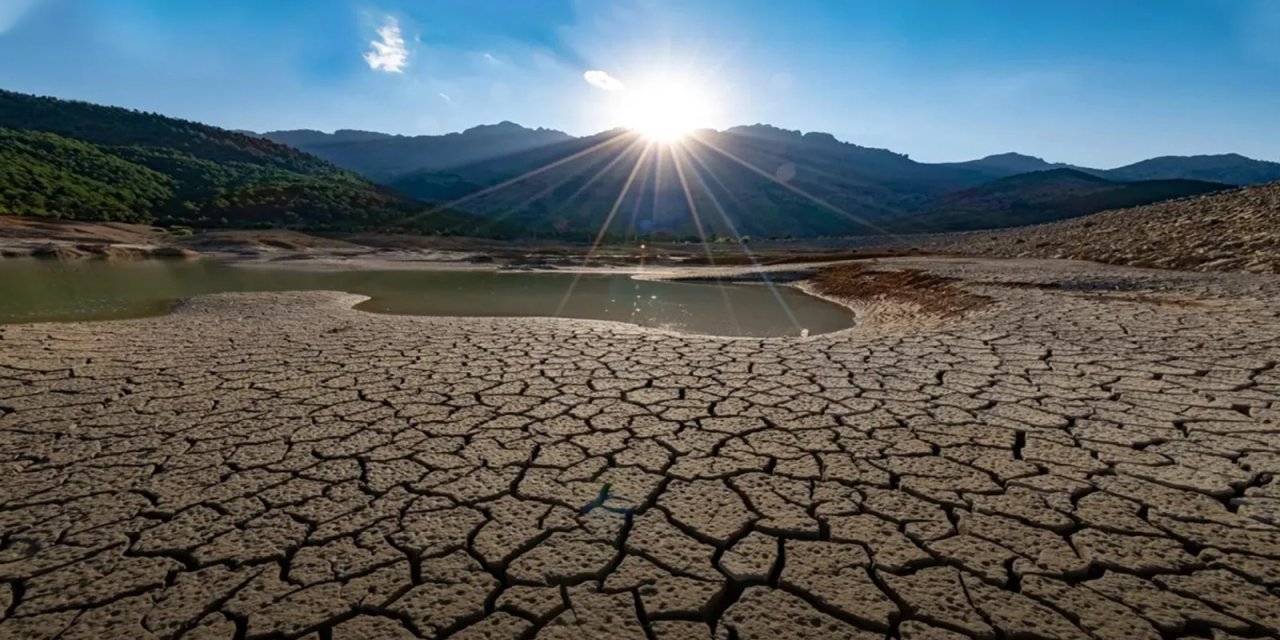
48, 175
74, 160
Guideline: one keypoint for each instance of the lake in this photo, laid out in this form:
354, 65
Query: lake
36, 290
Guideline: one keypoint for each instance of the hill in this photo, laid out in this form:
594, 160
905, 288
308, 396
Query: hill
66, 159
1006, 164
1230, 168
381, 156
1227, 231
1044, 196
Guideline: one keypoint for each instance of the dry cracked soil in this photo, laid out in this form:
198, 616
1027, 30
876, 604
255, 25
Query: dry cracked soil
1092, 455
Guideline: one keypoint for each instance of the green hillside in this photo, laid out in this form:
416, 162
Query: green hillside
75, 160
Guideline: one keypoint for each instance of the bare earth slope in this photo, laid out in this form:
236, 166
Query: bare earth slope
1236, 230
1068, 461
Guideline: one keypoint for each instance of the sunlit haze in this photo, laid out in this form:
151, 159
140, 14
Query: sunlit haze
665, 110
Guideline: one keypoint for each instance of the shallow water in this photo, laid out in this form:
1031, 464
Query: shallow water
32, 290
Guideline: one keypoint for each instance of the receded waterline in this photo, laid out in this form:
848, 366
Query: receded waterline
35, 291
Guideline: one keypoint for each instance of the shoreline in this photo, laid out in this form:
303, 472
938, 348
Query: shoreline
693, 274
871, 313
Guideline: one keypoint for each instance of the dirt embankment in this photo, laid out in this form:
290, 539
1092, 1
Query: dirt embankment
1228, 231
36, 237
1236, 230
60, 239
929, 293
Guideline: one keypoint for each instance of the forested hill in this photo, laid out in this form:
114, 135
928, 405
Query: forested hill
76, 160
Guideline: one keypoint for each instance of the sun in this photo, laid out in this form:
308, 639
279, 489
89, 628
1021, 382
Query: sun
665, 111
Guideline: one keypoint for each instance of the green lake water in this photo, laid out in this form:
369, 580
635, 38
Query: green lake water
34, 290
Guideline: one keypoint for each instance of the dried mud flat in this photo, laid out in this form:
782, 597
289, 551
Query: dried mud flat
1091, 455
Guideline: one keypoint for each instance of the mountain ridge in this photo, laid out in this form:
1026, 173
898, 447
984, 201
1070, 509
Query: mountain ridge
79, 160
808, 190
1007, 163
381, 156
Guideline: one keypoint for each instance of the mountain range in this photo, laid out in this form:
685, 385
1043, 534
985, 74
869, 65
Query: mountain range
381, 156
77, 160
750, 180
384, 156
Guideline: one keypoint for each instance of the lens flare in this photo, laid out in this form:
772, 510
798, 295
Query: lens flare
665, 111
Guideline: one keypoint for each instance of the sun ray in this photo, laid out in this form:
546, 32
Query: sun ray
715, 202
697, 223
613, 211
601, 173
800, 192
506, 183
493, 220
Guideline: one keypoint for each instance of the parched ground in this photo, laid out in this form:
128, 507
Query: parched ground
1090, 455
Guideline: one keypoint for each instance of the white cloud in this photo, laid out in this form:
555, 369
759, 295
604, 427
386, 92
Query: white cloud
388, 53
602, 80
488, 57
444, 96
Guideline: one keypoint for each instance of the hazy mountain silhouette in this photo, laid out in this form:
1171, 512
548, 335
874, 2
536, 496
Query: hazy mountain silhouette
1044, 196
299, 138
386, 157
1005, 164
764, 180
745, 181
1230, 168
381, 156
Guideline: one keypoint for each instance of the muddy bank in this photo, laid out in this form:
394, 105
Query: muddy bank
28, 237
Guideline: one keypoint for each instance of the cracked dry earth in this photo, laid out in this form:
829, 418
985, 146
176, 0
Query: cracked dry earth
1090, 456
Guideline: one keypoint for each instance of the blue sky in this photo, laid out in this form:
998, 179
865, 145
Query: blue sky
1095, 82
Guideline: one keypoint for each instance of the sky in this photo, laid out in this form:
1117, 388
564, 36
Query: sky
1094, 82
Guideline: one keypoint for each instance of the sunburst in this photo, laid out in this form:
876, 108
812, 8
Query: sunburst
665, 111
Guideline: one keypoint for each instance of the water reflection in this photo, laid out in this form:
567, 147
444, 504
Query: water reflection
36, 291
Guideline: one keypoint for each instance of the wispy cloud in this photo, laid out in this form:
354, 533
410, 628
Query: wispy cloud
602, 80
444, 96
488, 57
388, 53
12, 10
